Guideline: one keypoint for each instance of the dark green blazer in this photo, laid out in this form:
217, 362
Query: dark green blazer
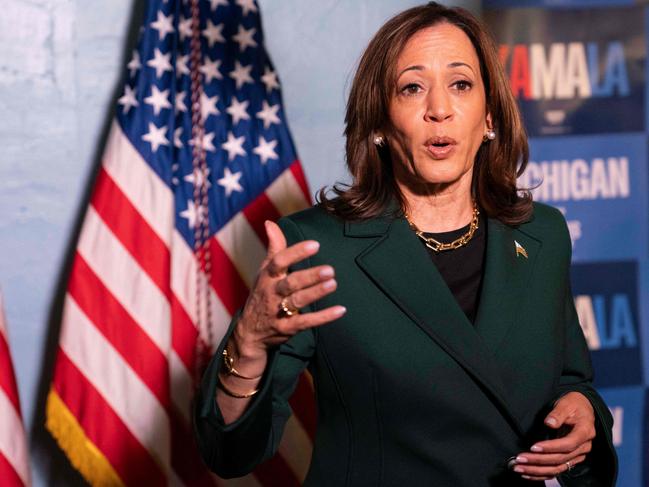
408, 391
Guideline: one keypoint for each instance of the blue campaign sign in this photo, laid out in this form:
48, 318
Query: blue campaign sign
643, 293
627, 407
600, 183
575, 71
606, 298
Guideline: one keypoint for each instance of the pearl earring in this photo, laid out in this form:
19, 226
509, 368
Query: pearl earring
490, 135
379, 140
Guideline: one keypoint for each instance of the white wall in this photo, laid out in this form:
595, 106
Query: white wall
60, 63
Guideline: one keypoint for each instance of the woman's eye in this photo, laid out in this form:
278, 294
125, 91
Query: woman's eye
411, 89
463, 85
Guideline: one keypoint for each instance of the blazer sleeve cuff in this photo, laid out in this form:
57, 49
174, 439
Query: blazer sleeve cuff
244, 441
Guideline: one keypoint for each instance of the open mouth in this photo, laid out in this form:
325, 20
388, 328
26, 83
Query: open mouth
440, 147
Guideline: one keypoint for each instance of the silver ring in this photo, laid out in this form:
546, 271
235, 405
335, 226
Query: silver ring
569, 466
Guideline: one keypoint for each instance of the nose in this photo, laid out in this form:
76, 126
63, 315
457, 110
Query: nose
439, 107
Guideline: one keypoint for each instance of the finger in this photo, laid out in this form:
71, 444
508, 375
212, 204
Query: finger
318, 318
573, 404
302, 279
552, 458
549, 471
581, 433
282, 260
305, 297
276, 239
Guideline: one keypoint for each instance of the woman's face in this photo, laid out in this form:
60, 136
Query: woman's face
438, 109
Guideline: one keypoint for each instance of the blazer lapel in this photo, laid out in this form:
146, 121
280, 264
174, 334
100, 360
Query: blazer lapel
509, 264
399, 265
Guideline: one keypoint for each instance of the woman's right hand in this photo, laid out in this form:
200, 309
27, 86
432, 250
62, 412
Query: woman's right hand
262, 325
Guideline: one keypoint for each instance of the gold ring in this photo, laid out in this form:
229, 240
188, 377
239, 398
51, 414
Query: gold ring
286, 309
569, 465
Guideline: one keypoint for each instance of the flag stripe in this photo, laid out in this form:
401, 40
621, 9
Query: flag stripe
298, 174
133, 231
12, 438
9, 475
286, 193
103, 426
257, 212
131, 400
110, 318
142, 186
295, 448
239, 241
121, 274
7, 377
225, 279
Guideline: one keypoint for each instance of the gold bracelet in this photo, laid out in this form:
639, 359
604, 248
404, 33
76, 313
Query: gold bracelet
236, 395
228, 361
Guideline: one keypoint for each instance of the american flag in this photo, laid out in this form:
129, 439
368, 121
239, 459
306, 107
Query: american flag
198, 156
14, 459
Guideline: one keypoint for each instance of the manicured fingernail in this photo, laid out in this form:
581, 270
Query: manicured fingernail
312, 245
340, 310
330, 284
519, 469
520, 459
327, 272
536, 448
551, 421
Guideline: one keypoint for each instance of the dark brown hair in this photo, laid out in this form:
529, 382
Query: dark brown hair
498, 163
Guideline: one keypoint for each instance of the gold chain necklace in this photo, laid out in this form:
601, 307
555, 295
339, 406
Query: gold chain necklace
438, 246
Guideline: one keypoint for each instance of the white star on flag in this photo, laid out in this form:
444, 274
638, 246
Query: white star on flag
208, 143
134, 64
179, 102
185, 28
213, 33
210, 70
160, 62
230, 181
156, 136
237, 110
164, 25
181, 65
234, 146
241, 74
158, 99
268, 114
128, 99
193, 214
270, 79
215, 3
197, 176
266, 150
177, 142
244, 38
208, 105
247, 6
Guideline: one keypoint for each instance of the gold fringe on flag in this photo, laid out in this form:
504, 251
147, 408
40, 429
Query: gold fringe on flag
82, 453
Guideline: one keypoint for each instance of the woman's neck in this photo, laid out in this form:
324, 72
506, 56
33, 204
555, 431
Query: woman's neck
439, 211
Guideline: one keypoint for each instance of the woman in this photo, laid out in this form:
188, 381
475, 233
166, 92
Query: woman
450, 352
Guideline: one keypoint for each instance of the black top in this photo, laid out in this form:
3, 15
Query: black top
462, 268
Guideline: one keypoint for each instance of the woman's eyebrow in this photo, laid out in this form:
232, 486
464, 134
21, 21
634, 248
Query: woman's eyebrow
419, 67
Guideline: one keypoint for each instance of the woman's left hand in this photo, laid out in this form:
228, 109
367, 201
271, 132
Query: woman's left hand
574, 419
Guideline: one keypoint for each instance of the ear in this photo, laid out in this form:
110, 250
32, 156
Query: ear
489, 121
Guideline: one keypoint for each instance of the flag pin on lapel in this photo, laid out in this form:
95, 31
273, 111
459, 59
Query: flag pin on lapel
520, 250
